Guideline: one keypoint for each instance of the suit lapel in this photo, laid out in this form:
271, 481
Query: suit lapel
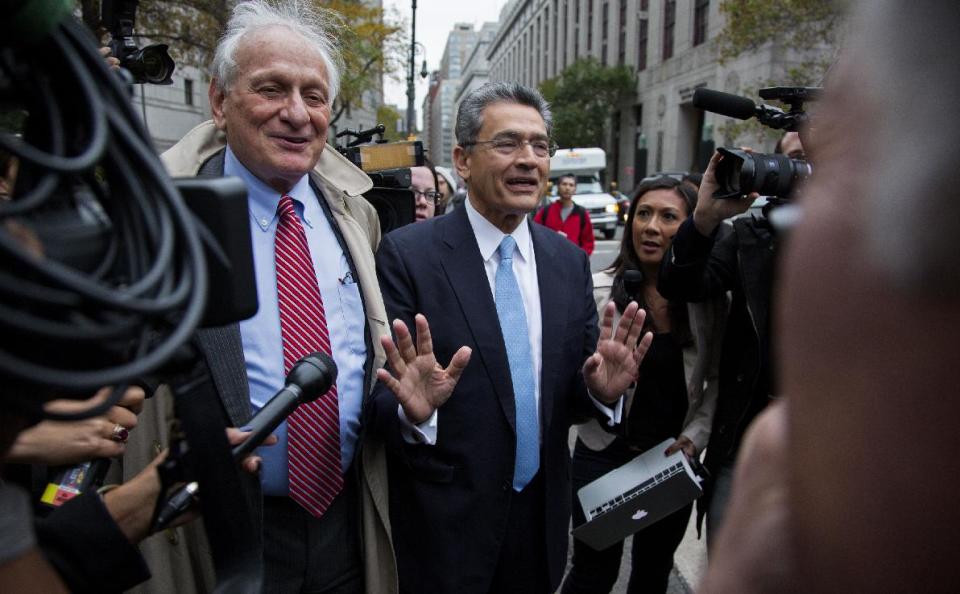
463, 266
223, 351
222, 347
554, 285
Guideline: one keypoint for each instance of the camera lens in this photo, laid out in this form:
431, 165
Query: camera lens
740, 173
151, 64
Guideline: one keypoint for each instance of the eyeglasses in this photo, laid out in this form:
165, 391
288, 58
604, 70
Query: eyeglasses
430, 195
508, 146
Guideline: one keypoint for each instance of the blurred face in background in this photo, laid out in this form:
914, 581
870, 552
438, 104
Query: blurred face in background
424, 192
791, 147
566, 186
657, 216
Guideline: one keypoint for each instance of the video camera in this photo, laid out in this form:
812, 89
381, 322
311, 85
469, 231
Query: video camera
387, 164
151, 64
740, 172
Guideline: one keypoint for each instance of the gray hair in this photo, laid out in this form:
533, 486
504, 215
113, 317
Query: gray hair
316, 25
470, 114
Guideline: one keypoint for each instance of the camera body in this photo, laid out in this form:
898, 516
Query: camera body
773, 175
387, 164
151, 64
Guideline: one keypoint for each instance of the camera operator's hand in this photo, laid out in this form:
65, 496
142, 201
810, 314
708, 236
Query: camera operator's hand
112, 62
69, 442
710, 212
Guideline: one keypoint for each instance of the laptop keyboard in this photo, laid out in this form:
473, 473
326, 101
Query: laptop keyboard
634, 492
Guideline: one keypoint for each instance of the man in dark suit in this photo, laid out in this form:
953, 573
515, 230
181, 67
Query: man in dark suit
479, 464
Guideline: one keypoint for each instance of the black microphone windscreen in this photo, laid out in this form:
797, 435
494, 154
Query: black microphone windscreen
726, 104
313, 374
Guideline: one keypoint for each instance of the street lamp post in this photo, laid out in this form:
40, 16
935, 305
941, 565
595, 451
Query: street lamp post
411, 89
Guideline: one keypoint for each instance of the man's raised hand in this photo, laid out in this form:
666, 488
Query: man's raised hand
419, 382
616, 363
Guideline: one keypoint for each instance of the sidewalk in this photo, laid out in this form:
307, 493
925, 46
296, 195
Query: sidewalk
689, 564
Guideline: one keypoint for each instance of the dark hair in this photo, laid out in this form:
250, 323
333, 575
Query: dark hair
570, 175
627, 258
470, 112
693, 178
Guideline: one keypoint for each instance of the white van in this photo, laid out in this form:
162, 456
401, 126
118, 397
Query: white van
586, 164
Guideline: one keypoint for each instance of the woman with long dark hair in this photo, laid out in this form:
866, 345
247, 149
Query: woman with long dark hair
674, 397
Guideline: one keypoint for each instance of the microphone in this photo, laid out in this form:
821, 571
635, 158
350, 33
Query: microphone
726, 104
309, 378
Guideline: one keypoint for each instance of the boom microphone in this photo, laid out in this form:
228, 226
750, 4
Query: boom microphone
726, 104
309, 378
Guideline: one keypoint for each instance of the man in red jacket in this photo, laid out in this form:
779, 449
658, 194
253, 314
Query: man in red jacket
563, 216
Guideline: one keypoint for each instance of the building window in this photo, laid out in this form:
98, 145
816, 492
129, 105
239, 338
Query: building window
644, 4
701, 11
538, 35
188, 91
562, 25
659, 160
552, 65
669, 20
642, 35
589, 26
622, 38
604, 22
576, 31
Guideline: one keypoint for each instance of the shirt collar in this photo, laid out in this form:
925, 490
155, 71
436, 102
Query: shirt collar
489, 237
261, 198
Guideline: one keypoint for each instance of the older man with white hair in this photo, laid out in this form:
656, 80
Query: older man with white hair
275, 76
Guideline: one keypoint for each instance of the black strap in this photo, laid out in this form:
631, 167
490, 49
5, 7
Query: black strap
227, 512
580, 212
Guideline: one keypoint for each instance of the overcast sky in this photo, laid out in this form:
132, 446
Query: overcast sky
435, 19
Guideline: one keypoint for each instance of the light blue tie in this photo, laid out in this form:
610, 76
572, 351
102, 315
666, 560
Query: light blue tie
516, 337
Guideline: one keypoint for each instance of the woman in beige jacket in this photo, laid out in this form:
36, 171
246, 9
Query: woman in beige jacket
674, 397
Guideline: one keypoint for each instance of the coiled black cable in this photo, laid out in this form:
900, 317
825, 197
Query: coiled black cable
102, 272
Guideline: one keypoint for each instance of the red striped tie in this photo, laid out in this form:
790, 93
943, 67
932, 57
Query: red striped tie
313, 430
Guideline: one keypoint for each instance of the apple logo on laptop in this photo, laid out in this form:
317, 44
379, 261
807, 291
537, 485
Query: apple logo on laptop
641, 514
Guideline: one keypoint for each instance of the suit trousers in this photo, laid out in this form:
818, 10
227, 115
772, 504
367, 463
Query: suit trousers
595, 572
313, 555
522, 565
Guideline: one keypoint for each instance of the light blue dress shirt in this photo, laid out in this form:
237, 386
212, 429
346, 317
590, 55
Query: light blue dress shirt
262, 343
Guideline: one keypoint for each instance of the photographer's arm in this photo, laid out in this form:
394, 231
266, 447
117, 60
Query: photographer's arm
702, 260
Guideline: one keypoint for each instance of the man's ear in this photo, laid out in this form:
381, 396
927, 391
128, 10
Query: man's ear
461, 160
217, 97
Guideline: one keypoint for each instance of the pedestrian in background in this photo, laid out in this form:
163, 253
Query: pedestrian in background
566, 217
423, 184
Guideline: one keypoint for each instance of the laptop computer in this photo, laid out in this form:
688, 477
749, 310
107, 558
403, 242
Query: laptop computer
630, 498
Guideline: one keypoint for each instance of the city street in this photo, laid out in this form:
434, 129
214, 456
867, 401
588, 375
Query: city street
691, 558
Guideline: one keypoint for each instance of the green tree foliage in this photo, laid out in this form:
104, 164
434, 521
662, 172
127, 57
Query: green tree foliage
582, 98
811, 31
371, 43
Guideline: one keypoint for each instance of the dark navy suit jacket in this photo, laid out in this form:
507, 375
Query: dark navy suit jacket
449, 502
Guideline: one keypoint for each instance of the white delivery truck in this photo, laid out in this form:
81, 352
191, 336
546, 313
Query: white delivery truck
586, 164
